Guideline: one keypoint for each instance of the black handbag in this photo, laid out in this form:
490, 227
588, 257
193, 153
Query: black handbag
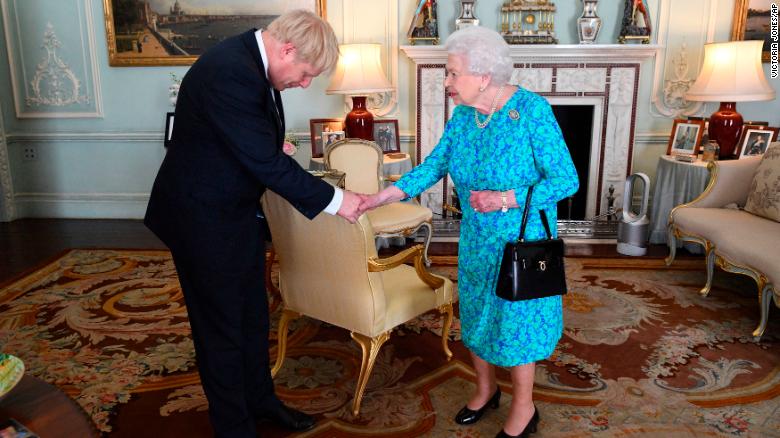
532, 270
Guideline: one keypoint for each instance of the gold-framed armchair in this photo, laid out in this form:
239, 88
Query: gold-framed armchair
329, 270
362, 161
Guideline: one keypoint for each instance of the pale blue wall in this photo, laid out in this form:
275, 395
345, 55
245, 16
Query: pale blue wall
104, 167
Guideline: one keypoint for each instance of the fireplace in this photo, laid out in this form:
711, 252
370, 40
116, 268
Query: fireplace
595, 82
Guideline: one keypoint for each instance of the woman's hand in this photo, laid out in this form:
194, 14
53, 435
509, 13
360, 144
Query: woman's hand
485, 201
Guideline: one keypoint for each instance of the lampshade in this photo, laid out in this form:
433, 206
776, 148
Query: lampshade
731, 72
359, 71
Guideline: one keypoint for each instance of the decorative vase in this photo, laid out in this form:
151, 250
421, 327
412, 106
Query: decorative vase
467, 17
589, 24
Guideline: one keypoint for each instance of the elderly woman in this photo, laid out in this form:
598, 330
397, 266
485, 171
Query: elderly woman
501, 140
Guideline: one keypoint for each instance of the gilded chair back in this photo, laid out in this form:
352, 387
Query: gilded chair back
361, 160
323, 271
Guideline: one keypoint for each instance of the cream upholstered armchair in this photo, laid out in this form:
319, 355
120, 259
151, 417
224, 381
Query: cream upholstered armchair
329, 270
735, 236
362, 161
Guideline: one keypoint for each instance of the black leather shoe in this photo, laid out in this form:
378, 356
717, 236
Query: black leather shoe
529, 428
469, 416
288, 418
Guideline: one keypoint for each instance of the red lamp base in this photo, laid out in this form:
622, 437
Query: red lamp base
725, 127
360, 121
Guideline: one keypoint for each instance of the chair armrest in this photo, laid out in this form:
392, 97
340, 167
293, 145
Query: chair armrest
415, 254
729, 183
392, 178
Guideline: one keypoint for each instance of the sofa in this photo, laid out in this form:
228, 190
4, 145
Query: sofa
737, 221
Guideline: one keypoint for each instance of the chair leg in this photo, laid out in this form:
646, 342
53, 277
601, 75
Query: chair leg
446, 311
764, 300
709, 258
370, 347
429, 227
287, 316
672, 242
269, 285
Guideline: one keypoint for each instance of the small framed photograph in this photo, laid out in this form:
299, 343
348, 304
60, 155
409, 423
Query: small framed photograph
168, 129
386, 135
686, 137
323, 133
754, 140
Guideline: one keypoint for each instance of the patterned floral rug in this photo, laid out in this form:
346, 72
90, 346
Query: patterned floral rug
643, 355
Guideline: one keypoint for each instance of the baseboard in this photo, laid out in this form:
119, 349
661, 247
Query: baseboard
81, 205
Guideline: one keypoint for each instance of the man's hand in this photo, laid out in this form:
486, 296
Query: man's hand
350, 206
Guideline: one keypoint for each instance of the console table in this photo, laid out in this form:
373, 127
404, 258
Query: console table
676, 182
46, 410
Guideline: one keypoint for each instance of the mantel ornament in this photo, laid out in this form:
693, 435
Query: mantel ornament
528, 22
636, 22
589, 24
425, 26
466, 17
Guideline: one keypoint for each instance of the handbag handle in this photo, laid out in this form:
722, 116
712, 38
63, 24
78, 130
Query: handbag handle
542, 214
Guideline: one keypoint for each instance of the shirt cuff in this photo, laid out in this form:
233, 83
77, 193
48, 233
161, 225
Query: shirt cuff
335, 203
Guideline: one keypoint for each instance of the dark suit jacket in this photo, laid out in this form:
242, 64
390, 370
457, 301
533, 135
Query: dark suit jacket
226, 150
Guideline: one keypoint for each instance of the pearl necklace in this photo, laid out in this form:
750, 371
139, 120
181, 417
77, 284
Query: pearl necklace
493, 105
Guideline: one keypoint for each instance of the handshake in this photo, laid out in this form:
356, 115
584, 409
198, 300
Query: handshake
355, 204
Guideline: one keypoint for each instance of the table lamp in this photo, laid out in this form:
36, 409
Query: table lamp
731, 73
359, 73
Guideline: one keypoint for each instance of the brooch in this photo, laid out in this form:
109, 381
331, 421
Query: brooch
514, 115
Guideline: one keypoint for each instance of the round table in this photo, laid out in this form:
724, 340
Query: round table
46, 410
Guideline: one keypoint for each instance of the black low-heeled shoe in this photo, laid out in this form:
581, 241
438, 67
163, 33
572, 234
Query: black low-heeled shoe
529, 428
468, 416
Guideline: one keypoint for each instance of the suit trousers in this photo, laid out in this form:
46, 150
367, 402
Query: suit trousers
228, 313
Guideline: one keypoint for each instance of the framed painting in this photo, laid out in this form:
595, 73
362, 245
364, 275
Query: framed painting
685, 138
752, 22
170, 32
386, 135
323, 133
754, 140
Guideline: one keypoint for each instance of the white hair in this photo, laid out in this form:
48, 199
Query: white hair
485, 52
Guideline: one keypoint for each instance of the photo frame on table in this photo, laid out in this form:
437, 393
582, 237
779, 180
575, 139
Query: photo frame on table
754, 140
323, 133
168, 136
181, 35
386, 135
686, 137
752, 22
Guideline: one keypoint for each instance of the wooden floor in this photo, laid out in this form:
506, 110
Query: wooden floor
27, 243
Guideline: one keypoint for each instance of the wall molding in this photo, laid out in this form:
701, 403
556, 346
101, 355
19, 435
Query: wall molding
22, 98
84, 137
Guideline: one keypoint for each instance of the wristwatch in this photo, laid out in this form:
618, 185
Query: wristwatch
504, 206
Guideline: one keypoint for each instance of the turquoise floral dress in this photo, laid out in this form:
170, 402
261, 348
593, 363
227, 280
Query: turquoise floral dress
522, 145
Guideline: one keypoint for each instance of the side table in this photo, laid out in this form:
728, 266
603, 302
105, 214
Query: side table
46, 410
676, 182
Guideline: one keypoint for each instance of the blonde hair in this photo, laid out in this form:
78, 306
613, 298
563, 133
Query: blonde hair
313, 38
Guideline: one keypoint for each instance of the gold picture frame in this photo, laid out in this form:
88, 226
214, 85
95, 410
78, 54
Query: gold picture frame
155, 38
743, 26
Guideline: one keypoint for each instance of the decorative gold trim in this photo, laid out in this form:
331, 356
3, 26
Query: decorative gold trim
409, 254
269, 262
446, 311
115, 60
287, 316
370, 347
762, 283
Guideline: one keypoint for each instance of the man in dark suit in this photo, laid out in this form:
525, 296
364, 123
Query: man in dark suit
226, 151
